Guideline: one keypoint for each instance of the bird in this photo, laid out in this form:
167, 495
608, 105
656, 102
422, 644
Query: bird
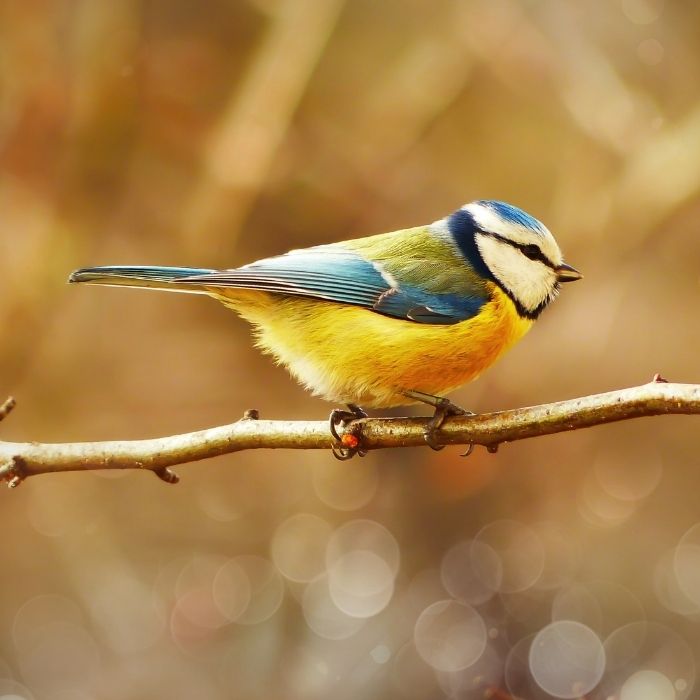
389, 319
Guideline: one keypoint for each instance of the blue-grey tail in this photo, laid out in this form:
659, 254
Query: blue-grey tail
152, 277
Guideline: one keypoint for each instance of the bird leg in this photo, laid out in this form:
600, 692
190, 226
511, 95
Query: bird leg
340, 418
443, 408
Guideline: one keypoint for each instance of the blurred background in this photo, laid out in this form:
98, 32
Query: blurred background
214, 133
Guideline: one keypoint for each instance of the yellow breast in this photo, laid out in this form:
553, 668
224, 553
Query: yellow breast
349, 354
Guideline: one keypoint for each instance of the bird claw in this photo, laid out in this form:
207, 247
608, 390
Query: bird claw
349, 444
430, 439
468, 451
443, 408
340, 417
343, 454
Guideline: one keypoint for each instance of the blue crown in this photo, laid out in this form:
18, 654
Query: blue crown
513, 215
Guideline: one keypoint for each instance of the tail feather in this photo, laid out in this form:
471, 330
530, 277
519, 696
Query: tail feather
151, 277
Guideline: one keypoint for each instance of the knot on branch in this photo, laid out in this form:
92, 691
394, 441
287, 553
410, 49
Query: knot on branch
13, 472
167, 475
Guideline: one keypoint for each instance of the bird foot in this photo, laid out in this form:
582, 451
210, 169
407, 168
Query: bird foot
349, 444
443, 408
339, 418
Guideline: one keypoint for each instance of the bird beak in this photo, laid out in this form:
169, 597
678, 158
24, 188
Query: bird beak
566, 273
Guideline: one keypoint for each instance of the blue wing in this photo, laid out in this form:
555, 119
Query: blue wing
344, 276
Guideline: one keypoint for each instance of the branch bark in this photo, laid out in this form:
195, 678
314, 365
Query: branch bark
20, 460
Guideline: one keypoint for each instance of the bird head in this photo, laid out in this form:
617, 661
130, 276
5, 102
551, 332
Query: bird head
514, 249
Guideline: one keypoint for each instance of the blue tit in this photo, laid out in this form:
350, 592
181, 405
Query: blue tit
390, 319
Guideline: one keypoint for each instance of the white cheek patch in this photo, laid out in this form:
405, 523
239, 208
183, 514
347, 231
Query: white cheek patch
531, 282
489, 220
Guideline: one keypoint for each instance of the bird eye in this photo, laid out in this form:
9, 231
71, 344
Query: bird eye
532, 251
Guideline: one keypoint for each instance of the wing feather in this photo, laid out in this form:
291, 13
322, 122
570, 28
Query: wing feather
337, 274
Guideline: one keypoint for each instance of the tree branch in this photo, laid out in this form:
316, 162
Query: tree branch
20, 460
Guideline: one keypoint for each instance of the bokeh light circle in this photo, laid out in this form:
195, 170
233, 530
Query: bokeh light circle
650, 51
578, 603
686, 564
188, 582
299, 547
648, 646
381, 654
12, 690
517, 675
266, 589
601, 605
67, 658
642, 11
647, 685
361, 583
520, 550
567, 659
667, 587
598, 507
367, 535
323, 616
628, 474
39, 612
471, 572
450, 636
231, 590
137, 622
187, 574
475, 681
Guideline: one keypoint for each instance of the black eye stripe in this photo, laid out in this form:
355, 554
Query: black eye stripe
522, 248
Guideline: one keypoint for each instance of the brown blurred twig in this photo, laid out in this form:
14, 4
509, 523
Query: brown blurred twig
20, 460
243, 145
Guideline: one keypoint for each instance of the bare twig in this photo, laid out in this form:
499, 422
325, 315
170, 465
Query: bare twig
6, 408
20, 460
